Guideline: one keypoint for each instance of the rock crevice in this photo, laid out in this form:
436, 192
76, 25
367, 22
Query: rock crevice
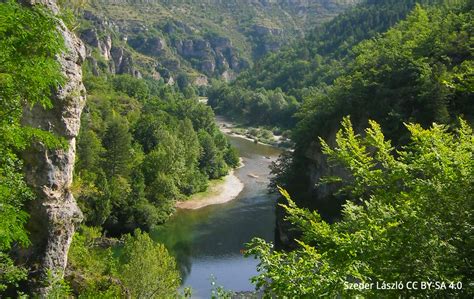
54, 214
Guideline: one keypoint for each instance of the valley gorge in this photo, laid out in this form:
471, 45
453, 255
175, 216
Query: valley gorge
176, 41
236, 149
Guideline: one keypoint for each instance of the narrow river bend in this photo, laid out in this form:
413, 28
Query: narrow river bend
208, 242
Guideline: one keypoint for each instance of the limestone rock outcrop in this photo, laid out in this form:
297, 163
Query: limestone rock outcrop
214, 38
54, 214
114, 58
103, 44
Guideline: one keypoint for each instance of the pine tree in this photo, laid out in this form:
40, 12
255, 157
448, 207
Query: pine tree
117, 142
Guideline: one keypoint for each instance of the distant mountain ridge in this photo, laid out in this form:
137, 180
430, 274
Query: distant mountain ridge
212, 38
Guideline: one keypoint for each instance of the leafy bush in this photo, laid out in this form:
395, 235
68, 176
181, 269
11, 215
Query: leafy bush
28, 73
144, 269
93, 270
408, 218
147, 270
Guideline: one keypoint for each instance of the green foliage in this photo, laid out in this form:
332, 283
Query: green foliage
69, 9
324, 52
417, 71
117, 142
255, 107
93, 269
148, 271
58, 287
232, 30
410, 219
328, 58
133, 87
232, 157
400, 76
219, 292
11, 274
28, 68
28, 73
143, 269
13, 193
211, 160
90, 150
139, 151
183, 81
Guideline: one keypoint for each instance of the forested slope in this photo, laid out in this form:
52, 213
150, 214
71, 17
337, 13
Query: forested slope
301, 69
322, 53
419, 71
390, 61
216, 39
384, 196
142, 146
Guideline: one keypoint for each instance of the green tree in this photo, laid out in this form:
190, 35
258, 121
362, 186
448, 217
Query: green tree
148, 271
133, 87
192, 180
409, 217
94, 196
189, 141
147, 129
211, 161
117, 143
94, 269
166, 158
183, 81
29, 72
120, 189
232, 157
89, 151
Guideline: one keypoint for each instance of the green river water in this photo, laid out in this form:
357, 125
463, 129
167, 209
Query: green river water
208, 242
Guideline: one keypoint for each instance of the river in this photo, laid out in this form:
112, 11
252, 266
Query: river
208, 242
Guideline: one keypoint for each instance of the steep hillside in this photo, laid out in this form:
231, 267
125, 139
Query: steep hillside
212, 38
312, 60
300, 69
392, 114
303, 70
372, 62
418, 71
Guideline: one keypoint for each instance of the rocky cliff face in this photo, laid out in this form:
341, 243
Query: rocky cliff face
112, 57
54, 213
212, 56
215, 38
312, 196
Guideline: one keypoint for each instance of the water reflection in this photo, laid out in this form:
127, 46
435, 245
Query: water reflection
209, 241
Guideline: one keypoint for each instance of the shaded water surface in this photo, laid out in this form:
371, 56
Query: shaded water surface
208, 242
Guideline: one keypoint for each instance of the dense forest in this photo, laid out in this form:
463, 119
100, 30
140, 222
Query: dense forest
305, 70
418, 71
376, 191
143, 146
400, 186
